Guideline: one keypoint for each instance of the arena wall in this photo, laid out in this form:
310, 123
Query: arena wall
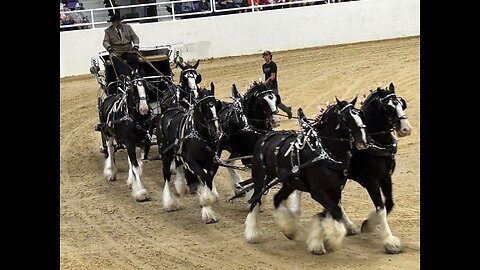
251, 33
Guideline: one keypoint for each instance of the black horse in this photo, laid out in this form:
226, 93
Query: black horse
189, 79
191, 139
126, 118
314, 161
373, 167
182, 95
244, 121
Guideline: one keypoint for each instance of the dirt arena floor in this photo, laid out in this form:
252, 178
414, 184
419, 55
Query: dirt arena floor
102, 227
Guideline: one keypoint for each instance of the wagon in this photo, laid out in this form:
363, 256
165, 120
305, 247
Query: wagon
155, 67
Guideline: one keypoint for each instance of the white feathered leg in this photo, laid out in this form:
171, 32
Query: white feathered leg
138, 190
391, 243
295, 203
110, 170
248, 196
170, 202
287, 221
131, 177
206, 198
334, 233
351, 228
173, 167
234, 178
370, 224
214, 190
180, 181
252, 233
315, 237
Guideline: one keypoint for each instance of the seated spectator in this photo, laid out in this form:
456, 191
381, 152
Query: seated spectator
80, 17
189, 7
66, 19
239, 3
71, 4
255, 2
142, 11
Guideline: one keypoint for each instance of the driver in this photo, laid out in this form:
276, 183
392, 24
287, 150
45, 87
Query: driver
118, 41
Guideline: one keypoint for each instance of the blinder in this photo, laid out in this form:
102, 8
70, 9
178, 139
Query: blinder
404, 103
198, 80
218, 105
279, 99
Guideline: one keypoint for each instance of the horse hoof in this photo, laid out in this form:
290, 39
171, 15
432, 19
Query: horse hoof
141, 196
210, 221
393, 251
366, 227
290, 236
142, 199
239, 195
193, 188
129, 183
111, 177
352, 231
171, 208
392, 245
252, 239
317, 252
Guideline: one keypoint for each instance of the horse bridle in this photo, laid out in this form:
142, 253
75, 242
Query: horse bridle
185, 72
395, 101
359, 128
263, 92
198, 103
267, 121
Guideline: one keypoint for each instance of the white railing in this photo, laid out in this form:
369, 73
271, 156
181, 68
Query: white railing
213, 9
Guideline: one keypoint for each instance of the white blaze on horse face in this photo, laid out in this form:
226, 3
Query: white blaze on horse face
359, 123
405, 128
143, 102
214, 113
271, 99
193, 85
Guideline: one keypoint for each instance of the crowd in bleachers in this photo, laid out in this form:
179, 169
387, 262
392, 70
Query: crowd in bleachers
74, 17
204, 5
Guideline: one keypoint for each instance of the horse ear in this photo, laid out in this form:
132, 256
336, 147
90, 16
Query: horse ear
212, 88
196, 64
338, 101
300, 113
180, 64
354, 100
235, 93
391, 88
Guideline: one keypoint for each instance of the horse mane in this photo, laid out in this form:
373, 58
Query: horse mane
374, 95
370, 98
253, 85
322, 115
